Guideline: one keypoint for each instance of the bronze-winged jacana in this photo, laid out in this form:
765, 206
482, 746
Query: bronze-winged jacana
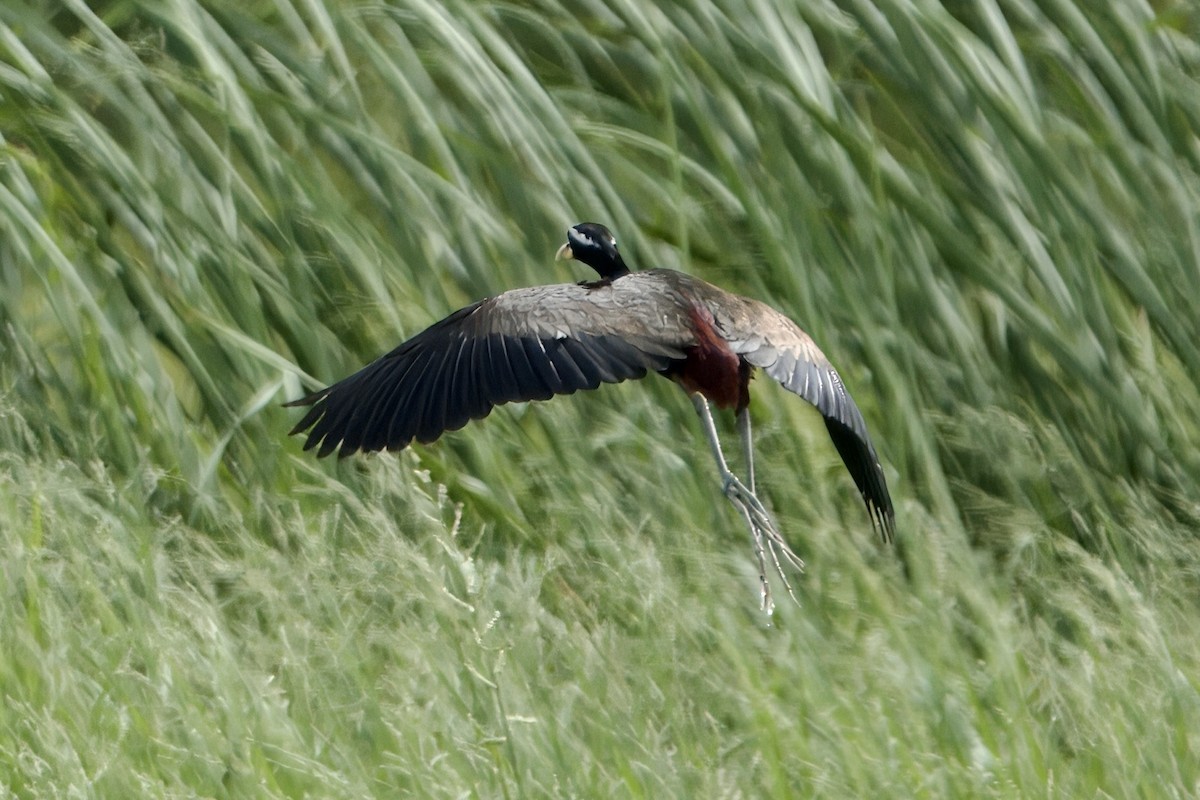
531, 344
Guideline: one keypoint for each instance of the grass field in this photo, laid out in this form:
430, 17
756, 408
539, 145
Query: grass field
987, 213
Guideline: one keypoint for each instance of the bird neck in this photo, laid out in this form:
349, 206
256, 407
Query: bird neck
615, 269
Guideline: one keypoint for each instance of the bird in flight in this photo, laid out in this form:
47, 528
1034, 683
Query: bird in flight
534, 343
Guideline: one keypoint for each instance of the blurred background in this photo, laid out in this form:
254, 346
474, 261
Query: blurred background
987, 213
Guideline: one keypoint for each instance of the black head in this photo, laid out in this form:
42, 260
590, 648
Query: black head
594, 245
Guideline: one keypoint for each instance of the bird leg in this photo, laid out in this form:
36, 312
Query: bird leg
743, 429
729, 482
762, 527
777, 544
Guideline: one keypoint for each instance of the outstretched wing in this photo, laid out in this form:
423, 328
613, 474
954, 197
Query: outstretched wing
527, 344
781, 349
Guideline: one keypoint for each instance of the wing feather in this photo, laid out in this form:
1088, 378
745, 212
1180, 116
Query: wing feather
543, 366
585, 362
455, 394
529, 384
527, 344
769, 340
568, 368
410, 383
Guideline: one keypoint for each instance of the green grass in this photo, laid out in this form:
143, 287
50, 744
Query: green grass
985, 213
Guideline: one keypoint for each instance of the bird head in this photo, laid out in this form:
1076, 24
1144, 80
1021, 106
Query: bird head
594, 245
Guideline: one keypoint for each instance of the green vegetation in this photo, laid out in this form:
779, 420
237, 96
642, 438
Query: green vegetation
987, 213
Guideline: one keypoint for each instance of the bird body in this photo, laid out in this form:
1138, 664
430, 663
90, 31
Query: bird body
533, 343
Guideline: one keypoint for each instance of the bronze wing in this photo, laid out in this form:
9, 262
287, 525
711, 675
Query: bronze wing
526, 344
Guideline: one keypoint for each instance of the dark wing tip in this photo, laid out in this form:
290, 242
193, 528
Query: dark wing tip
324, 440
883, 520
863, 465
307, 400
312, 416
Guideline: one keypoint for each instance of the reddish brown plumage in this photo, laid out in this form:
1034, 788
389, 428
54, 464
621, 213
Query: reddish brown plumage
711, 367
